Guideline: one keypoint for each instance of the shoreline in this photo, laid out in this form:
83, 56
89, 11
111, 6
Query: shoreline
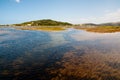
100, 29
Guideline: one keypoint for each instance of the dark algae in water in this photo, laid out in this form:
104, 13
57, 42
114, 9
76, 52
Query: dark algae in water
64, 55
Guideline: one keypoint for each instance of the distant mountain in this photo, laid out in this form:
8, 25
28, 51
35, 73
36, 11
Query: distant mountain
2, 25
44, 22
89, 24
111, 24
103, 24
49, 22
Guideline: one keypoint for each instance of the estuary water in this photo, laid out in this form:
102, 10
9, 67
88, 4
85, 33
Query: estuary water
62, 55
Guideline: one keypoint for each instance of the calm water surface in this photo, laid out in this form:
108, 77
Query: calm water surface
66, 55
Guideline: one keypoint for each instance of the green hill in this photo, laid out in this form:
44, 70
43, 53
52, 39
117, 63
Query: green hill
44, 22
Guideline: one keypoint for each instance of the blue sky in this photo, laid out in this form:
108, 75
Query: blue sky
74, 11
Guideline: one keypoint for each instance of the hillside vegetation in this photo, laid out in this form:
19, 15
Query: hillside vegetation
44, 22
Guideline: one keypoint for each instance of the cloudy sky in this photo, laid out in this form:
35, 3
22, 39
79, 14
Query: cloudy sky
74, 11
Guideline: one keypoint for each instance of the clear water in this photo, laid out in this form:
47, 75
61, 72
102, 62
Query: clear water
67, 55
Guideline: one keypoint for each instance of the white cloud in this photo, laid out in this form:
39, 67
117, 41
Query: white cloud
108, 17
18, 1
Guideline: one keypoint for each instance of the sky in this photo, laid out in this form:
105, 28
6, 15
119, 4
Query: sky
73, 11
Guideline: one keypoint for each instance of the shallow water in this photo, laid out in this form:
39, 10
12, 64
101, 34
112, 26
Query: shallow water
67, 55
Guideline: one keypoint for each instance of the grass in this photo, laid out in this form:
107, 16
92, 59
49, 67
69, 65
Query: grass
102, 29
99, 29
44, 28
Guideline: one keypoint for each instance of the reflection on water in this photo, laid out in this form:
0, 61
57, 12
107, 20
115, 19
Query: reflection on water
67, 55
